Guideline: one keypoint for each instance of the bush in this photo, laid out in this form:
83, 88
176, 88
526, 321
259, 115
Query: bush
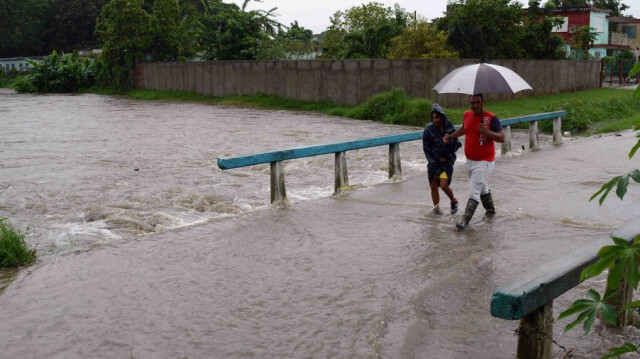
582, 116
383, 106
13, 249
59, 73
394, 107
24, 84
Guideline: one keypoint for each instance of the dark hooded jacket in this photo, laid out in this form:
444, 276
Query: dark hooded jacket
434, 146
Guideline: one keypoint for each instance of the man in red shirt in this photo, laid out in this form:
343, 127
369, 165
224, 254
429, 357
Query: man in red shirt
482, 129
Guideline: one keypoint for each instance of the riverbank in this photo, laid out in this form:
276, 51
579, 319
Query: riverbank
601, 110
593, 111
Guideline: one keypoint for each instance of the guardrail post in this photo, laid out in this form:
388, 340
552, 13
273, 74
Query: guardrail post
278, 190
533, 135
342, 177
536, 333
557, 131
506, 145
395, 169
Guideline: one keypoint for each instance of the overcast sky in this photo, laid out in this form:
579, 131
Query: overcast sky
315, 14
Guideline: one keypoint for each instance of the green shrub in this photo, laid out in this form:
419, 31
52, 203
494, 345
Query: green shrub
393, 107
579, 116
24, 84
583, 116
13, 249
59, 73
383, 106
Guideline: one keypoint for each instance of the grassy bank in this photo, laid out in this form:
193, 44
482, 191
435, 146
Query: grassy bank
13, 249
590, 111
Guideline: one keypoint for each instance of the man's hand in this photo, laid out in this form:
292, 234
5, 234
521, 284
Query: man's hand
446, 137
483, 129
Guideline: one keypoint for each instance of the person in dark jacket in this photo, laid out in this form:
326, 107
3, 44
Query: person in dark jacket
440, 157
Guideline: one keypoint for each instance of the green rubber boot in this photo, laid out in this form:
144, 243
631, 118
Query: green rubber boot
487, 203
472, 204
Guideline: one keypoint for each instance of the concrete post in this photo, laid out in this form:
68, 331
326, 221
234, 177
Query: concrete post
506, 145
278, 190
535, 334
533, 135
395, 169
557, 131
342, 177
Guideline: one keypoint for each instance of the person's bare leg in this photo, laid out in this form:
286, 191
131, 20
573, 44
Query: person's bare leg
444, 184
435, 196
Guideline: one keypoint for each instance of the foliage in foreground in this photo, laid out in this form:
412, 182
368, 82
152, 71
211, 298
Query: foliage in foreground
13, 249
621, 260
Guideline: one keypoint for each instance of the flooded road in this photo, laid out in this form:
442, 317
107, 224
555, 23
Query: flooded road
147, 250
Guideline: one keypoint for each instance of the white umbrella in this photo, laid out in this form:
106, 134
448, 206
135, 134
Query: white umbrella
481, 78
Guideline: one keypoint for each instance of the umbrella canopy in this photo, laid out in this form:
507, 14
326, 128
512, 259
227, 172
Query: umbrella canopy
481, 78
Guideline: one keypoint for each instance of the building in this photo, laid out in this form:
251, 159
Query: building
586, 16
623, 35
14, 64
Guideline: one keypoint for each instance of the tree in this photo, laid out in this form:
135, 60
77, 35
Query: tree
421, 40
539, 42
231, 33
583, 38
294, 43
71, 24
616, 7
485, 29
572, 3
125, 31
363, 31
21, 28
175, 32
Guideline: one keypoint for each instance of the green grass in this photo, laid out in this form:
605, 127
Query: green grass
10, 81
13, 249
590, 111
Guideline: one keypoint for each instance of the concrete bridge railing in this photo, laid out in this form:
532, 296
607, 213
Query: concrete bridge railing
529, 298
276, 158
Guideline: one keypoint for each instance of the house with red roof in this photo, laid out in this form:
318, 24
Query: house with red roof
576, 17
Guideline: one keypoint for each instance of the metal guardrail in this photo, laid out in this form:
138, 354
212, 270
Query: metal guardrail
275, 158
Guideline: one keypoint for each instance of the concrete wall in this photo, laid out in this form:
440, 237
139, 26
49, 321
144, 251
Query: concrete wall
354, 81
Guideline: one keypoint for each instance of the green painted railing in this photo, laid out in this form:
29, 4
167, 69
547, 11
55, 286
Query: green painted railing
275, 158
529, 298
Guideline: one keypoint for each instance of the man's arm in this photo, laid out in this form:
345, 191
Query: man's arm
497, 135
455, 134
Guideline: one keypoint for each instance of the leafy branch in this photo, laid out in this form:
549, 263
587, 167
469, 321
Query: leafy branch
621, 259
589, 309
617, 351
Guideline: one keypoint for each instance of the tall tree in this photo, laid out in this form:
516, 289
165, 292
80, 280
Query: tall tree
421, 40
294, 43
125, 31
21, 28
539, 41
616, 6
71, 24
485, 29
364, 31
175, 32
572, 3
231, 33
